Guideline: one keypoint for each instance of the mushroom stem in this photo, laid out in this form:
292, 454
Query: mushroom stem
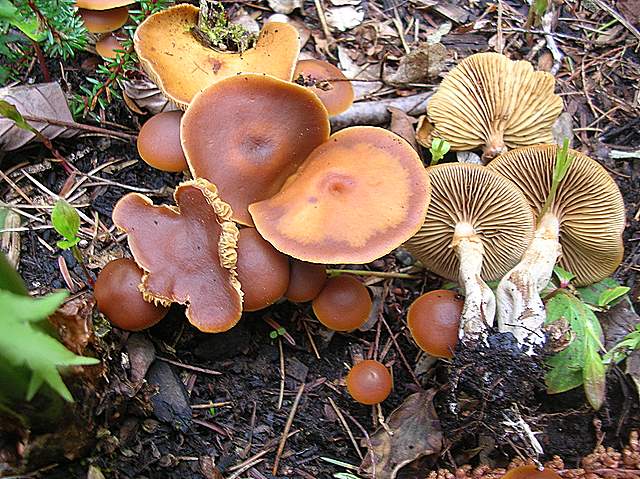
520, 308
479, 304
495, 145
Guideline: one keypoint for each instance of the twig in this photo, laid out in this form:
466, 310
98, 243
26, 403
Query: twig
213, 427
547, 20
615, 14
282, 374
323, 21
378, 274
287, 426
346, 427
274, 324
80, 126
189, 367
400, 353
313, 343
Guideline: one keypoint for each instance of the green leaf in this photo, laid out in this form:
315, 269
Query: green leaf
560, 169
22, 343
30, 27
281, 331
66, 220
608, 296
591, 294
66, 244
10, 280
563, 276
594, 375
273, 334
439, 148
10, 112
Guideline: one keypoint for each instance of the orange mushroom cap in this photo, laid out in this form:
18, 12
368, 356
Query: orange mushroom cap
248, 134
159, 142
343, 304
306, 280
102, 4
181, 66
262, 270
104, 21
188, 253
337, 96
369, 382
106, 47
531, 472
434, 320
119, 299
358, 196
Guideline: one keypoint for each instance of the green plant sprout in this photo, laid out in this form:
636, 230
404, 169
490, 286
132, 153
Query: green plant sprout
439, 148
563, 162
277, 332
66, 221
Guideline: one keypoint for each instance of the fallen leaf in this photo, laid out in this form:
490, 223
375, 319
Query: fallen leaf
146, 96
354, 71
419, 66
43, 100
416, 433
141, 355
633, 368
402, 125
285, 6
73, 323
344, 18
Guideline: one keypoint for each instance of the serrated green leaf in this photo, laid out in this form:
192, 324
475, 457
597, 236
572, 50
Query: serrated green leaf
608, 296
65, 220
594, 376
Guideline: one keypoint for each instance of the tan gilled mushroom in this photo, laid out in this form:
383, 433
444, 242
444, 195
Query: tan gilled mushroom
477, 227
583, 226
494, 103
181, 66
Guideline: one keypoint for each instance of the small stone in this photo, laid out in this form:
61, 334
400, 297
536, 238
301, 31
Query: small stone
170, 404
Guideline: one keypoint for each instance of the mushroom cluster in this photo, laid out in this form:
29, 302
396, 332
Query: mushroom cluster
104, 17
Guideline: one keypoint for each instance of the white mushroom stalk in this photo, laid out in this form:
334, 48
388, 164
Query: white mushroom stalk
521, 309
480, 303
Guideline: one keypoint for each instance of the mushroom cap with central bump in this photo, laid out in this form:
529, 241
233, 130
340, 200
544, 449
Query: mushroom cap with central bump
188, 253
588, 206
181, 66
492, 102
338, 95
358, 196
248, 134
477, 201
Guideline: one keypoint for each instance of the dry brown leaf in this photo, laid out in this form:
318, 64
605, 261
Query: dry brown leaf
73, 322
402, 125
416, 433
144, 95
419, 66
43, 100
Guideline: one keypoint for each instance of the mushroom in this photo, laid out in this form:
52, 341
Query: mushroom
104, 21
306, 280
159, 142
434, 320
181, 66
369, 382
107, 45
187, 252
492, 102
263, 272
102, 4
531, 472
119, 299
358, 196
582, 226
326, 81
248, 134
343, 304
477, 227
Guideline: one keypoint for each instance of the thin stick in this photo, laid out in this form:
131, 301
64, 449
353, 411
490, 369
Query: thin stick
313, 343
378, 274
80, 126
323, 21
346, 427
191, 368
287, 426
400, 353
282, 374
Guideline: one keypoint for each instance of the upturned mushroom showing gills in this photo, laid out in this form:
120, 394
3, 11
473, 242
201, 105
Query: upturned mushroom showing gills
369, 382
358, 196
582, 224
326, 81
159, 142
248, 134
263, 271
343, 304
477, 228
104, 21
434, 320
493, 103
181, 66
188, 253
119, 299
306, 280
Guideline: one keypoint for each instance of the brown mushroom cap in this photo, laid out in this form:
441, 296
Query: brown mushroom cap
306, 280
490, 101
588, 205
337, 96
434, 320
102, 4
159, 142
119, 299
181, 66
491, 204
188, 252
107, 45
531, 472
248, 134
358, 196
104, 21
369, 382
343, 304
263, 271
